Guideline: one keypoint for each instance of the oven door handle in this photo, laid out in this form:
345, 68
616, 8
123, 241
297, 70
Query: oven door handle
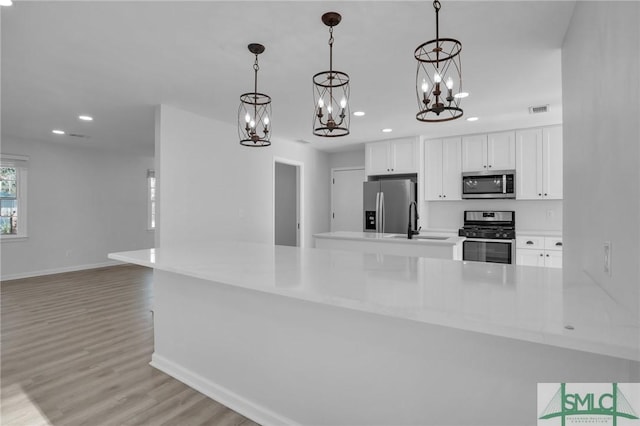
504, 184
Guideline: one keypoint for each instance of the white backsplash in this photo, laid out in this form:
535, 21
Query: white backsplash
533, 215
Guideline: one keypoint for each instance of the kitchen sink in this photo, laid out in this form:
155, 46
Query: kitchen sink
418, 237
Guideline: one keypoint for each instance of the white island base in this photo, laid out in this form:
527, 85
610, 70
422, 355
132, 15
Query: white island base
279, 359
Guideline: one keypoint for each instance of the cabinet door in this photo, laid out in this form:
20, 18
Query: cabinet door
553, 259
501, 151
433, 170
377, 158
552, 162
529, 164
404, 157
451, 169
529, 257
474, 153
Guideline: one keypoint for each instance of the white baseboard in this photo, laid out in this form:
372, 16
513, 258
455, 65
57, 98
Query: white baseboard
59, 270
237, 403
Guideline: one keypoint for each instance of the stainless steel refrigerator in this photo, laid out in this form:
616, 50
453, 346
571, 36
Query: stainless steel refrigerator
386, 205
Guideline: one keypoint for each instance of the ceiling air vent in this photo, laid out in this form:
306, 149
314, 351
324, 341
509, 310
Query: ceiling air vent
538, 109
77, 135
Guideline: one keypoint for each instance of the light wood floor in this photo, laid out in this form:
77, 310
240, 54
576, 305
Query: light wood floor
75, 351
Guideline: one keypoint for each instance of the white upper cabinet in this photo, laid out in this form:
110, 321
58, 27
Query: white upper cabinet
495, 151
443, 169
377, 158
392, 157
474, 153
539, 163
501, 151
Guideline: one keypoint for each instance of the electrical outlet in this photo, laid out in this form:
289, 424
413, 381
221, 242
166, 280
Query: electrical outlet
607, 257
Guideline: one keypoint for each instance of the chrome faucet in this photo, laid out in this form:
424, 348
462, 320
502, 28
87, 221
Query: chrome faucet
410, 230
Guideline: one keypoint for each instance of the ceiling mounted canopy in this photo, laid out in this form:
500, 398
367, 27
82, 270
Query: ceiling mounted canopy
331, 93
254, 127
439, 77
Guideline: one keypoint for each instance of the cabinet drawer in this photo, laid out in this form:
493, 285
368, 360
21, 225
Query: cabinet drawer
553, 243
529, 242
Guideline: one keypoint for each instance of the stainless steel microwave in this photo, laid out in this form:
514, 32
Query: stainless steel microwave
489, 184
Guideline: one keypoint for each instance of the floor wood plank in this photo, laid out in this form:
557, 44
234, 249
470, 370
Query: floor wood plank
75, 350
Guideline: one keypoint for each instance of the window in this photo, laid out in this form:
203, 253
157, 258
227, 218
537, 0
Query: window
151, 199
13, 199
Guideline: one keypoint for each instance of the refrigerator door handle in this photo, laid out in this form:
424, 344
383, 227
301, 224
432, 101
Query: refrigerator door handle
382, 209
377, 211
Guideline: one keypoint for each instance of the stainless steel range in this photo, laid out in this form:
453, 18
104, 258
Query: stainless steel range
490, 236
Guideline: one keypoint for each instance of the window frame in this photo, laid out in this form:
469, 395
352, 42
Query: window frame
20, 163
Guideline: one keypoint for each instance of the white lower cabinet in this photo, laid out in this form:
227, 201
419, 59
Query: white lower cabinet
539, 251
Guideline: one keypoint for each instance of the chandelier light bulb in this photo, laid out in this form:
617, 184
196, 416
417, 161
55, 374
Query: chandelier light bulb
247, 118
266, 121
252, 124
437, 78
320, 103
425, 86
329, 109
343, 103
449, 83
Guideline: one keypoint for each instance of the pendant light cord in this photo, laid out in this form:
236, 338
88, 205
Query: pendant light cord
436, 6
255, 88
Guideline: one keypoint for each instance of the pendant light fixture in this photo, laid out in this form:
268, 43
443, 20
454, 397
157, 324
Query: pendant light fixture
439, 78
254, 127
331, 93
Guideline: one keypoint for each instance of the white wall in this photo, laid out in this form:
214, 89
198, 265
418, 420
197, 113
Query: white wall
600, 69
353, 158
212, 188
82, 203
531, 215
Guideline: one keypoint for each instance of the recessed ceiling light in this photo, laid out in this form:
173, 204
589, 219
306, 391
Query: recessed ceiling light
461, 95
387, 130
6, 2
358, 113
85, 117
58, 132
472, 119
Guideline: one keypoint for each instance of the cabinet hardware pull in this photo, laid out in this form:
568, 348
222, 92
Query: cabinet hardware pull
484, 166
539, 195
547, 255
489, 165
540, 254
444, 196
529, 242
559, 244
545, 194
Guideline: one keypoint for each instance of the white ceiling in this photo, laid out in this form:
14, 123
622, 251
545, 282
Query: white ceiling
116, 60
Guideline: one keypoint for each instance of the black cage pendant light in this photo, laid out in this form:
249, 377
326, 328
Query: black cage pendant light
254, 127
439, 78
331, 93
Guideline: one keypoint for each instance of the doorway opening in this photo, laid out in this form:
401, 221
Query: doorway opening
288, 202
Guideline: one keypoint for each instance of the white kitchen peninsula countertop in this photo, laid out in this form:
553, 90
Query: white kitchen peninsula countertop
524, 303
